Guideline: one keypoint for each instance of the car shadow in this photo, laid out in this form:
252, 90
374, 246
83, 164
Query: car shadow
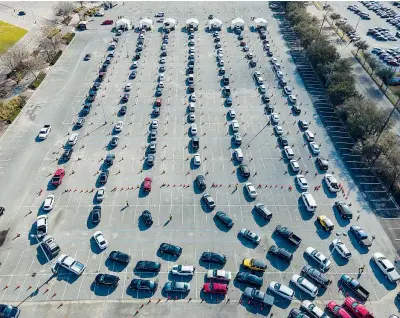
100, 290
381, 277
179, 278
222, 227
66, 276
329, 194
260, 221
283, 243
89, 223
245, 242
358, 246
94, 247
323, 235
139, 294
32, 235
144, 275
277, 263
204, 206
41, 257
305, 214
114, 266
173, 295
239, 176
141, 225
142, 193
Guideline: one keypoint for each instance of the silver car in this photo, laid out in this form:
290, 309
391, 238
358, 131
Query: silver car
181, 287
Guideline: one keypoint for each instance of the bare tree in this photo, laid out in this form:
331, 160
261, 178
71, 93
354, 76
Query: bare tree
63, 8
50, 44
14, 56
34, 64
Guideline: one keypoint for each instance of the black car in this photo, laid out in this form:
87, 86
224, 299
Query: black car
122, 110
320, 278
79, 123
296, 109
322, 163
269, 53
96, 86
253, 63
191, 88
281, 253
8, 311
249, 279
133, 75
120, 257
103, 177
143, 284
244, 170
265, 99
224, 218
163, 53
282, 82
297, 313
114, 141
67, 154
162, 68
137, 56
96, 214
344, 209
221, 70
201, 182
283, 141
159, 91
146, 217
218, 45
87, 57
107, 279
213, 257
240, 37
148, 266
170, 249
156, 111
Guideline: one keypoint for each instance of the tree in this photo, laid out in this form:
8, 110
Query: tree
63, 8
372, 61
306, 32
389, 166
335, 16
321, 52
34, 64
339, 92
13, 58
361, 45
385, 74
49, 44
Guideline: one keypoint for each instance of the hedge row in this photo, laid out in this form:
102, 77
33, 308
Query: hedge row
67, 37
35, 84
10, 110
56, 57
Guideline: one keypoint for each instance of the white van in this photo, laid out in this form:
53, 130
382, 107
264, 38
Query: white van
309, 135
309, 201
239, 154
191, 107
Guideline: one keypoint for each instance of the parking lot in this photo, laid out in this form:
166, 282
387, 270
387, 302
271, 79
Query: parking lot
27, 167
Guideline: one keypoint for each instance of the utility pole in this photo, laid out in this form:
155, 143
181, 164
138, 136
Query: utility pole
387, 121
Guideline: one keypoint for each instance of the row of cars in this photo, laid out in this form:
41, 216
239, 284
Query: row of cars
389, 56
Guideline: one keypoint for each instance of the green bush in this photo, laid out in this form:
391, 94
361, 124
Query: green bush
67, 37
10, 110
35, 84
56, 57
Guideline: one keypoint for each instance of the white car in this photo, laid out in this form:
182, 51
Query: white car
239, 154
100, 194
288, 152
312, 309
193, 129
197, 160
49, 202
279, 74
277, 67
305, 285
294, 165
318, 257
221, 62
250, 235
161, 84
44, 132
183, 270
302, 182
41, 226
256, 74
341, 248
154, 124
274, 61
220, 56
237, 138
135, 64
314, 148
259, 80
278, 130
128, 87
100, 240
192, 117
251, 190
162, 60
281, 290
192, 107
220, 275
292, 99
275, 118
119, 125
386, 267
235, 125
287, 90
332, 183
193, 97
73, 138
232, 113
161, 77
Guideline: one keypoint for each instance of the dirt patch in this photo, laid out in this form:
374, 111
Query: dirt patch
3, 236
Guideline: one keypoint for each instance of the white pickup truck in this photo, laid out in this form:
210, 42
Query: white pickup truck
68, 263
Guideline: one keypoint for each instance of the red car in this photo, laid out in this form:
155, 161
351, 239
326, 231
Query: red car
57, 177
336, 310
242, 43
108, 22
147, 184
357, 309
215, 288
158, 102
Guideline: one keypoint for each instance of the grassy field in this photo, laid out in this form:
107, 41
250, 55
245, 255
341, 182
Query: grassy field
9, 35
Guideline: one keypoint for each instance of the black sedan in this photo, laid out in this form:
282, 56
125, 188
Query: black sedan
144, 285
224, 218
201, 182
148, 266
120, 257
170, 249
107, 279
87, 57
244, 170
96, 214
8, 311
249, 279
147, 218
213, 257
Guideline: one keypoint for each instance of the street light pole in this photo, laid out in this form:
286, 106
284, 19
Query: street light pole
387, 121
359, 18
258, 133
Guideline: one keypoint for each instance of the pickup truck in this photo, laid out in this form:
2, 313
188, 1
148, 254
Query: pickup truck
355, 286
68, 263
289, 235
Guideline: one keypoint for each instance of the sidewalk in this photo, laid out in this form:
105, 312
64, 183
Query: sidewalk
364, 84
